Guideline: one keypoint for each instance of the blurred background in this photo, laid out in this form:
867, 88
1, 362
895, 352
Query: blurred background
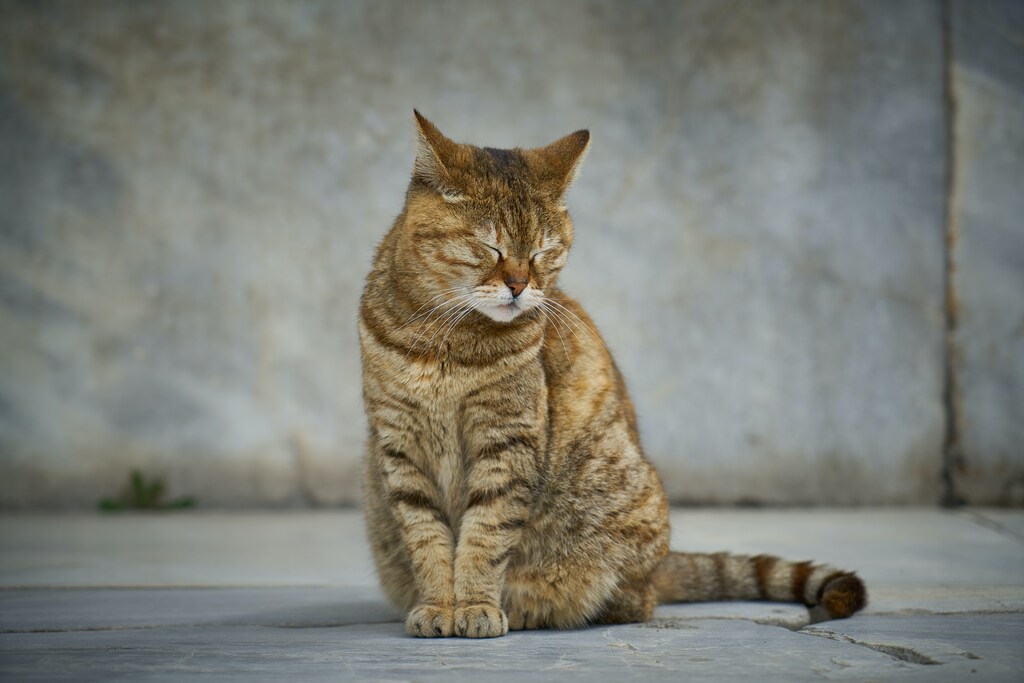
800, 229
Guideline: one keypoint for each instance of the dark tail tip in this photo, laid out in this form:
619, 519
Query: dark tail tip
844, 595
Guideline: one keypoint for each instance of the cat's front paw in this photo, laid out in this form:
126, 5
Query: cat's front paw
480, 621
429, 621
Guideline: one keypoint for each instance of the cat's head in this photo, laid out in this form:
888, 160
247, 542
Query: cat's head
487, 229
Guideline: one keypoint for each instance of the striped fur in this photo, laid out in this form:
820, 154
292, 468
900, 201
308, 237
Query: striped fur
693, 577
505, 484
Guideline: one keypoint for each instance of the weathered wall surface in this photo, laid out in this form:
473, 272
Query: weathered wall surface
988, 225
192, 191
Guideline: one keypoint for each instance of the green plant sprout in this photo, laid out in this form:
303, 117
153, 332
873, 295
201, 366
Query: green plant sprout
144, 494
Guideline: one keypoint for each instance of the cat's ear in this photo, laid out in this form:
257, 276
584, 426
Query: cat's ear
435, 158
563, 158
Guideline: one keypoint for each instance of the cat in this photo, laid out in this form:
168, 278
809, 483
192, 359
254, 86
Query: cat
505, 485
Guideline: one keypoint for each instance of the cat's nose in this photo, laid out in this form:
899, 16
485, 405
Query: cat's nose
516, 284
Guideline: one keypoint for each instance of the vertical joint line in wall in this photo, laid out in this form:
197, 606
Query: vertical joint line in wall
951, 455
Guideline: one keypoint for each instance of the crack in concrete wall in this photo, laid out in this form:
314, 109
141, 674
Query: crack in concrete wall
984, 340
951, 455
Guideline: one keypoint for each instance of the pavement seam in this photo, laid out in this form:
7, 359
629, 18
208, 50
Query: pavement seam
669, 623
209, 624
980, 519
897, 652
90, 629
171, 587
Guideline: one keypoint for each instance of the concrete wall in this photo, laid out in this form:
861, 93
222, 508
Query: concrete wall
988, 229
192, 191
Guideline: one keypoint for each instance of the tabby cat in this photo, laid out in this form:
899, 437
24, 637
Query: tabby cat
505, 484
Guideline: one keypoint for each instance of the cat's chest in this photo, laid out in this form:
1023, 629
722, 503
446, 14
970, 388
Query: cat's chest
433, 380
442, 454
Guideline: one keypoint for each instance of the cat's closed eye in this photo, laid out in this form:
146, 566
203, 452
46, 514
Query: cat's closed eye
495, 249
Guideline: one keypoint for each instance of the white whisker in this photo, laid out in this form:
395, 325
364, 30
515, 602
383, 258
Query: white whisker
591, 331
458, 302
429, 301
566, 320
554, 323
455, 324
448, 318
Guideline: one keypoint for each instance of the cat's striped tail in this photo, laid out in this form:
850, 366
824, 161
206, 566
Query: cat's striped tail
698, 577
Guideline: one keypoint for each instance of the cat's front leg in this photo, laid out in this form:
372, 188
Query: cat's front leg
506, 428
415, 504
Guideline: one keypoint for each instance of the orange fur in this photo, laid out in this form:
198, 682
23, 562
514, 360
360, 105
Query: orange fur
505, 483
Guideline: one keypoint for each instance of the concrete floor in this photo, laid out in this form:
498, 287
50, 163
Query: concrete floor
269, 595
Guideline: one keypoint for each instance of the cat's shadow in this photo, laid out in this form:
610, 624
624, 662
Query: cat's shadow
335, 613
326, 615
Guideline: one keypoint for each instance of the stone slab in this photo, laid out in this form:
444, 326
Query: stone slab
36, 610
890, 546
666, 650
1005, 521
328, 548
84, 609
990, 644
298, 601
186, 549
